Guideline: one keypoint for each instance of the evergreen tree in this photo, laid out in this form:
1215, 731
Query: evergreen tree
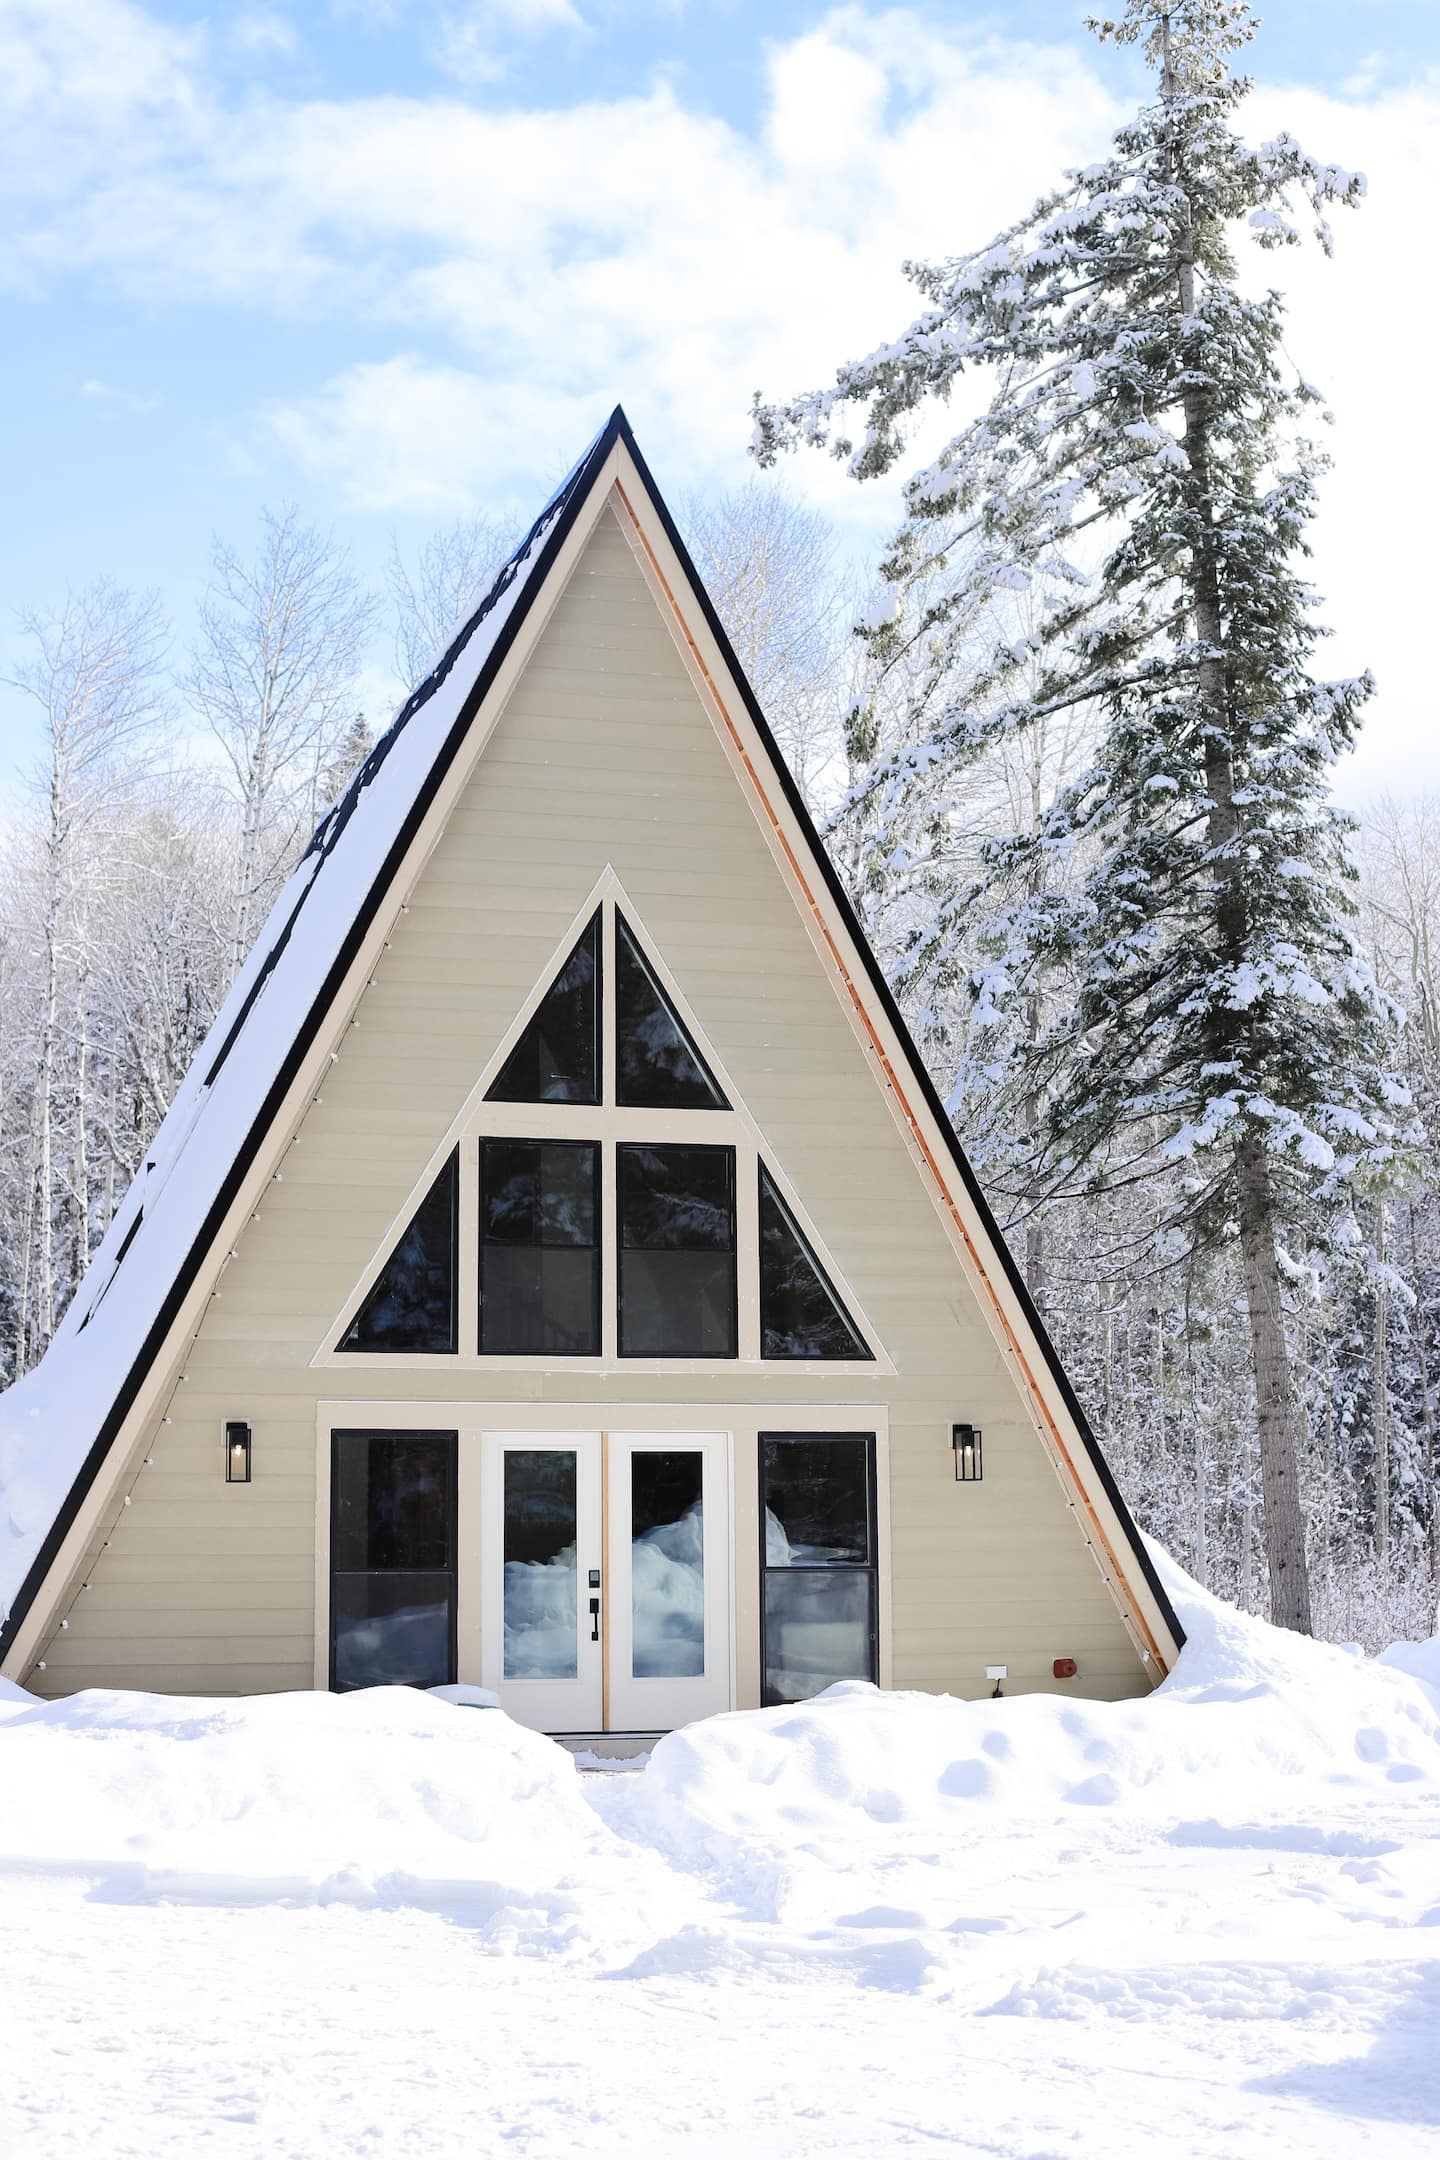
1142, 475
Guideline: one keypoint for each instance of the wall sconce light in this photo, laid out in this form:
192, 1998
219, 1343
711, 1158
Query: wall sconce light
969, 1466
237, 1453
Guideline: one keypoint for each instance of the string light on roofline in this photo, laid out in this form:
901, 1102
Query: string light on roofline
147, 1462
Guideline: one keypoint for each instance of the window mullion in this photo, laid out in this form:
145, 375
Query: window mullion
609, 1254
747, 1253
468, 1272
607, 1005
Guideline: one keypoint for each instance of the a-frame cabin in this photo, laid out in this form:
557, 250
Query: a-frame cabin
558, 1273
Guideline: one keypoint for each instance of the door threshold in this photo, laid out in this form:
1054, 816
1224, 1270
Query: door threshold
623, 1750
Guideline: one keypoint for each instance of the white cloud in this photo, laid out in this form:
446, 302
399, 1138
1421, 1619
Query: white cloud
538, 264
533, 17
1365, 77
261, 30
401, 435
477, 43
108, 394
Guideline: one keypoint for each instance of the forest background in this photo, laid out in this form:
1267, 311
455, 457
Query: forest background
174, 773
133, 881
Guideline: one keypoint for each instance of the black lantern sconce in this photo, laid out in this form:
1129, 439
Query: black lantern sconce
969, 1464
237, 1453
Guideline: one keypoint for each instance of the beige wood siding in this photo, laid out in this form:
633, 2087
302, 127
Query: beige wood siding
604, 755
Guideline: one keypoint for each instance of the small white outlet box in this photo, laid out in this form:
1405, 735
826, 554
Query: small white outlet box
997, 1672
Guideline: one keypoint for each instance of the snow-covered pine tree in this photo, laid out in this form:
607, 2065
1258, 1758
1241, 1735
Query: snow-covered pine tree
1142, 469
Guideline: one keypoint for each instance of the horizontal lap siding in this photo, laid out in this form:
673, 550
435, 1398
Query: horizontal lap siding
605, 754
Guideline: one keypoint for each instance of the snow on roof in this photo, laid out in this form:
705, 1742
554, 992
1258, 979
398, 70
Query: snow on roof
52, 1419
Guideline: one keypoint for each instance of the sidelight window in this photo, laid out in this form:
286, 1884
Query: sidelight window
817, 1517
392, 1559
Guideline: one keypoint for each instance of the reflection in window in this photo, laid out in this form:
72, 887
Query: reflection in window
539, 1250
412, 1306
557, 1059
392, 1558
800, 1314
657, 1066
667, 1564
541, 1596
677, 1251
818, 1614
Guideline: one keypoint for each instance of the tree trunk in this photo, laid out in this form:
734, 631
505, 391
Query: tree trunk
1427, 1413
1380, 1389
45, 1136
1277, 1408
80, 1258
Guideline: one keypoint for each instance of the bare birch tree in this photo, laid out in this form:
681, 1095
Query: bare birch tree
273, 677
444, 585
771, 567
93, 674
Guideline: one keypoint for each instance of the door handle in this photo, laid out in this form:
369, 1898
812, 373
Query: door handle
594, 1619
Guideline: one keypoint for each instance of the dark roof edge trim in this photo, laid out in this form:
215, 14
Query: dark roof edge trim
575, 491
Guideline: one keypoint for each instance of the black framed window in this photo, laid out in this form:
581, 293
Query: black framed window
817, 1562
392, 1559
413, 1304
540, 1248
657, 1066
557, 1059
801, 1315
677, 1251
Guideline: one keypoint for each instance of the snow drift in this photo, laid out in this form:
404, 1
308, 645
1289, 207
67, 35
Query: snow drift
388, 1796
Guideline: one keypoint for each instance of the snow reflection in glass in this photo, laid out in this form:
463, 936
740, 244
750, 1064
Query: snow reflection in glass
819, 1587
667, 1564
388, 1633
541, 1591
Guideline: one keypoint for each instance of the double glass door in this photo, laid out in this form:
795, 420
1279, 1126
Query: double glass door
606, 1575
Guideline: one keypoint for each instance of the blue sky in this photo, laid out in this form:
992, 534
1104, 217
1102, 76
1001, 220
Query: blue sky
395, 259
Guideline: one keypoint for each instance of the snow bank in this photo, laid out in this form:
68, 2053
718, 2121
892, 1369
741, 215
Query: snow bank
1420, 1659
1254, 1727
292, 1795
854, 1820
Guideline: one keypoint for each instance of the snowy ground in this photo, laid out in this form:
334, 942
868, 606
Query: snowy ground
1207, 1925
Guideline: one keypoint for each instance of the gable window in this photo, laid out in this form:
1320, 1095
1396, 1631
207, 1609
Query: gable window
557, 1059
801, 1315
539, 1248
677, 1251
657, 1066
413, 1304
609, 1197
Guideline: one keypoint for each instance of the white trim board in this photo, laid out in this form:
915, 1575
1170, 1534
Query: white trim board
608, 1122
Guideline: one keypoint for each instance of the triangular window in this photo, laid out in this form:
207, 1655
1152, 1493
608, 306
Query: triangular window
801, 1315
657, 1066
413, 1305
557, 1059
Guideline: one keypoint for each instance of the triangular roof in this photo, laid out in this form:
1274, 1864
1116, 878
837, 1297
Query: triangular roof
58, 1425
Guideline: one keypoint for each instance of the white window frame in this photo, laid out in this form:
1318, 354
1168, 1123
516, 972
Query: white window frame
608, 1124
472, 1420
